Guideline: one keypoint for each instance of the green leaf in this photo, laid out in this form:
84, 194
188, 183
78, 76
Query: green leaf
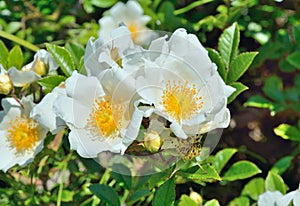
274, 182
217, 59
287, 132
205, 173
293, 59
222, 157
239, 201
240, 65
3, 54
254, 188
296, 31
191, 6
138, 195
228, 43
63, 58
67, 196
165, 195
106, 194
186, 200
76, 50
158, 178
104, 3
273, 88
15, 57
50, 82
282, 165
241, 170
285, 66
213, 202
239, 89
122, 178
261, 102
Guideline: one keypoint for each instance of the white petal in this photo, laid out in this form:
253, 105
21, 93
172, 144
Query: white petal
286, 199
134, 126
5, 152
84, 89
87, 147
28, 104
107, 24
121, 38
296, 200
177, 130
44, 114
22, 78
71, 111
268, 198
12, 109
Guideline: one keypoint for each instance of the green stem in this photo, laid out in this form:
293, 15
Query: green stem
61, 185
243, 149
18, 40
191, 6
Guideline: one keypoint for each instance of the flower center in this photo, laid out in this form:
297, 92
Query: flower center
106, 118
23, 134
181, 101
133, 28
114, 55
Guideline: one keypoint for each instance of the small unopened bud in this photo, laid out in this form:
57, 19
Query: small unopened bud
196, 197
40, 68
152, 141
5, 84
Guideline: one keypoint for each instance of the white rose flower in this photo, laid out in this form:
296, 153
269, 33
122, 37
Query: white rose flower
21, 137
42, 64
103, 55
99, 120
44, 114
293, 196
269, 198
184, 86
131, 14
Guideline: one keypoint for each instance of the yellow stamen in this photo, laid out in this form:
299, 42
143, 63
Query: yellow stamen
133, 28
23, 134
106, 118
180, 101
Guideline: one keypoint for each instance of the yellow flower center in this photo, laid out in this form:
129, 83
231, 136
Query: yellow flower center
133, 28
23, 134
106, 118
181, 101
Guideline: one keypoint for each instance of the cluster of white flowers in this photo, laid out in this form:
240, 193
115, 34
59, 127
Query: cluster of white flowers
277, 198
173, 82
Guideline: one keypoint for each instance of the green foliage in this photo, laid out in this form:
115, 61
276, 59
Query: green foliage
231, 65
63, 58
288, 132
165, 195
222, 157
282, 165
15, 57
213, 202
240, 201
204, 173
275, 182
106, 194
254, 188
50, 82
241, 170
242, 26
